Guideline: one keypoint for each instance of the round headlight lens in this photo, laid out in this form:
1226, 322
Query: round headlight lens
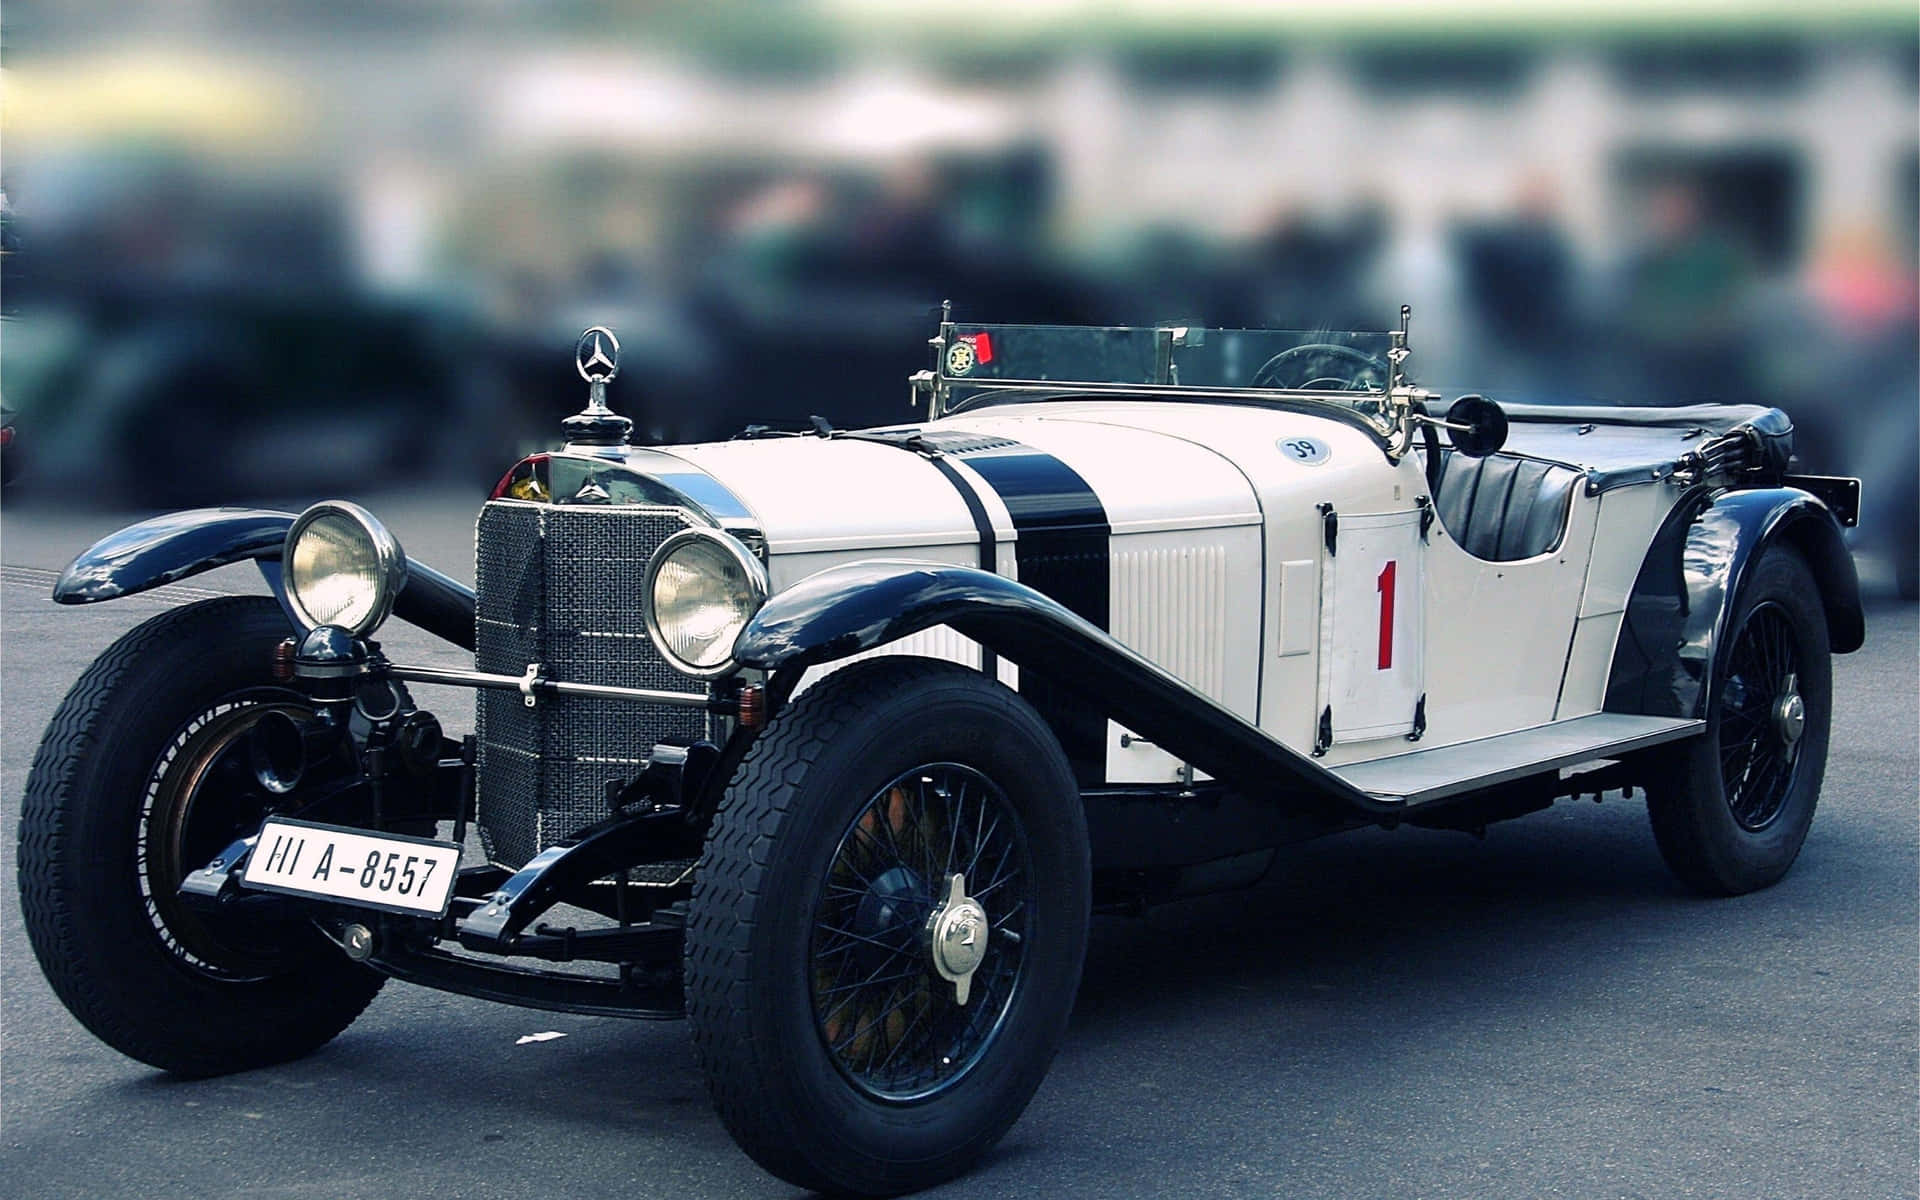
342, 568
702, 589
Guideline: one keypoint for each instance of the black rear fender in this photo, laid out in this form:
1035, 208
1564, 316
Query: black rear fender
1695, 568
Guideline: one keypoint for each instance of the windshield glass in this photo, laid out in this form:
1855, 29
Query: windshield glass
1343, 367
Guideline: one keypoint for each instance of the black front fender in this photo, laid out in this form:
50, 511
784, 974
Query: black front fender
845, 610
169, 548
1695, 569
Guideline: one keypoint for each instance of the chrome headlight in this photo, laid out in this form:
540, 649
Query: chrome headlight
702, 589
342, 568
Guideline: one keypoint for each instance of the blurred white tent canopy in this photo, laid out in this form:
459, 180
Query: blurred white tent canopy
615, 103
653, 108
889, 113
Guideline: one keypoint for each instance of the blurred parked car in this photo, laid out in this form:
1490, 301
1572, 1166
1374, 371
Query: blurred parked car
173, 338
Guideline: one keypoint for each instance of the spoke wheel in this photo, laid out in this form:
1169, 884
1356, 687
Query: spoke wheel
1731, 809
886, 1012
1762, 718
886, 930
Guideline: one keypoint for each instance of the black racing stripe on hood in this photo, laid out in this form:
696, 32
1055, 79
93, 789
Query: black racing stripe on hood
1063, 548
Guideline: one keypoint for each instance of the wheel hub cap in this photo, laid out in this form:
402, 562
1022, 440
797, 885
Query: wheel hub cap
958, 934
1789, 713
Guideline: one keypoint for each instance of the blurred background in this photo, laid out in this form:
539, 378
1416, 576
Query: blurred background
261, 250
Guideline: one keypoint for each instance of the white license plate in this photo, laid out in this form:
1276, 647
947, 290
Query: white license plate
372, 870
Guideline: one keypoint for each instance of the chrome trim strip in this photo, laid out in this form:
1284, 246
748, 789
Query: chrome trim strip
704, 494
536, 686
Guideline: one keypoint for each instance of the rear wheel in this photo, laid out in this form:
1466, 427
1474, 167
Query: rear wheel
142, 777
1731, 808
886, 934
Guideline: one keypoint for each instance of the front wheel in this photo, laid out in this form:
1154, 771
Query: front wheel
1731, 808
143, 776
886, 934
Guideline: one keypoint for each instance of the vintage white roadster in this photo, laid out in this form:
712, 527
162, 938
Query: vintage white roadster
832, 741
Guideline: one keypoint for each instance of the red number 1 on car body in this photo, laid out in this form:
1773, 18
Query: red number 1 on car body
1384, 585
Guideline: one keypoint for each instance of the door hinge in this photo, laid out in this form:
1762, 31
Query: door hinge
1419, 719
1330, 524
1426, 515
1323, 737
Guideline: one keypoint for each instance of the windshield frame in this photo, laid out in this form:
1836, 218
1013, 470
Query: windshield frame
1374, 409
1310, 403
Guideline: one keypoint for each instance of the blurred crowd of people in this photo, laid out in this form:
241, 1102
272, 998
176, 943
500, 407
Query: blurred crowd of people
804, 291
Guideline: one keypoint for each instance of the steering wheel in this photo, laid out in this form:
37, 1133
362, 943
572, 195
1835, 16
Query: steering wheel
1327, 366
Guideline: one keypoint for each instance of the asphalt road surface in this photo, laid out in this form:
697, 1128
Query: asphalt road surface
1542, 1013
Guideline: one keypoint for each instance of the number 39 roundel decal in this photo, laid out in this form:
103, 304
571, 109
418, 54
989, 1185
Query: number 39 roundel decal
1310, 451
1372, 664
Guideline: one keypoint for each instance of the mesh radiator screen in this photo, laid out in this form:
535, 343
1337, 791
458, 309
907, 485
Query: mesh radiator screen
562, 587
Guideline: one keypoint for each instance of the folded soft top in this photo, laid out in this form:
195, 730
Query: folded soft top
1620, 446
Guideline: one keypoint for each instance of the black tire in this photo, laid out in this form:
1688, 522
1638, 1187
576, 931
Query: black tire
147, 742
1731, 808
881, 759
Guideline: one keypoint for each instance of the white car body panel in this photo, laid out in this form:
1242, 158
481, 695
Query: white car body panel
1372, 650
1626, 520
1146, 479
1500, 633
1217, 546
816, 495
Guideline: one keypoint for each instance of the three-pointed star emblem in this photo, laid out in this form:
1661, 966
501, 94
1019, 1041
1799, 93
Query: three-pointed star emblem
597, 355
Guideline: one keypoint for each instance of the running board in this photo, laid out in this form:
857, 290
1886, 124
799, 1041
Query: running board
1425, 776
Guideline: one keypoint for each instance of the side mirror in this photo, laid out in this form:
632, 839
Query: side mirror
1477, 426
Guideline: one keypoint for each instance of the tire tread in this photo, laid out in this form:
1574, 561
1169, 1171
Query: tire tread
719, 933
46, 851
1686, 804
728, 892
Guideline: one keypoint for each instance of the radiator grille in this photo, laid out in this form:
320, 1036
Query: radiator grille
561, 587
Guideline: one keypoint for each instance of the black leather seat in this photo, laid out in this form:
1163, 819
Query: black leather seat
1504, 507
